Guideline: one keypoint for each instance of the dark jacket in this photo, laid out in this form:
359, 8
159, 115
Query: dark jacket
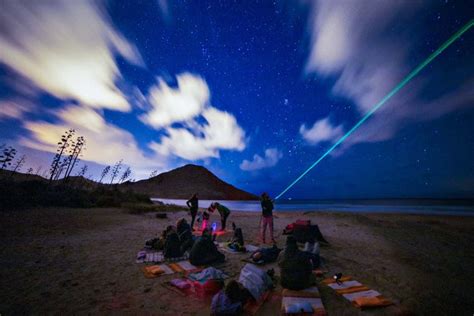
205, 252
223, 211
172, 247
296, 271
193, 204
185, 236
267, 207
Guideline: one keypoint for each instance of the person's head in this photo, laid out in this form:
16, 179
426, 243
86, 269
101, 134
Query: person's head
232, 291
256, 256
194, 196
180, 222
264, 196
210, 209
168, 230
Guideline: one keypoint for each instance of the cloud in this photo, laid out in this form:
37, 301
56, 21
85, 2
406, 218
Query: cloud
221, 132
189, 105
66, 48
171, 105
15, 108
271, 158
321, 131
355, 42
106, 143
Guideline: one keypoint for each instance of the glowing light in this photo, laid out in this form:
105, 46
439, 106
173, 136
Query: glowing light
407, 79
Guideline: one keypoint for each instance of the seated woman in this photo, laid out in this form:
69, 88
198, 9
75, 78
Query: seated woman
296, 268
185, 234
172, 247
266, 255
159, 243
237, 241
204, 251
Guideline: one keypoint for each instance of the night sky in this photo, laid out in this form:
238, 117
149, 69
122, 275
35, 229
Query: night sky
255, 91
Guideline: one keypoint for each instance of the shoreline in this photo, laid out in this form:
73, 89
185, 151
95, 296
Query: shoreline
58, 260
254, 207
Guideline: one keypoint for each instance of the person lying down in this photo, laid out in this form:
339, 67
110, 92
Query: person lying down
253, 283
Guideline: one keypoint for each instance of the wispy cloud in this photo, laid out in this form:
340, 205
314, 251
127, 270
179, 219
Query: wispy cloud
186, 104
321, 131
349, 42
15, 108
106, 143
171, 105
270, 159
66, 48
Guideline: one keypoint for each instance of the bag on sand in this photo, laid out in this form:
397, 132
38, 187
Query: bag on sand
303, 231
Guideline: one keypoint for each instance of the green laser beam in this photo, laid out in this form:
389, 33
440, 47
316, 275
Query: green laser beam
407, 79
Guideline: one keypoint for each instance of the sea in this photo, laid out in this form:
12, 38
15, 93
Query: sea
403, 206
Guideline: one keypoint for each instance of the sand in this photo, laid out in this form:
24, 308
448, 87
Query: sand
82, 261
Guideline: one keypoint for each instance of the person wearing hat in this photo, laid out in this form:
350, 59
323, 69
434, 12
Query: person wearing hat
267, 216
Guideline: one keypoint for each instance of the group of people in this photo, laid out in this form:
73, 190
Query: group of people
266, 219
296, 266
193, 204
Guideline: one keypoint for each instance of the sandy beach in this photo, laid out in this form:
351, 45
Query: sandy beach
82, 261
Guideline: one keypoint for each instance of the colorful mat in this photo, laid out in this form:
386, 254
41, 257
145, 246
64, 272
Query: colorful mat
155, 271
305, 302
358, 294
144, 256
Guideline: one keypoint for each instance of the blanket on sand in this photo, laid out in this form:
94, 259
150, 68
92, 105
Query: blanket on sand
155, 271
307, 302
145, 256
357, 293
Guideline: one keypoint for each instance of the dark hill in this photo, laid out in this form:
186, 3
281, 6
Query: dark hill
182, 182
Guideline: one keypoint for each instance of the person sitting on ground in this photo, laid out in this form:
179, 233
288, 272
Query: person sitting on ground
159, 243
185, 234
172, 248
296, 268
266, 255
237, 241
223, 211
204, 251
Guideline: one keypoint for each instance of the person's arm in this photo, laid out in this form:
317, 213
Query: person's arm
188, 202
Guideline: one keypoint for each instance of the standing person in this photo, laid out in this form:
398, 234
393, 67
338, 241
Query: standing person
193, 204
267, 216
223, 211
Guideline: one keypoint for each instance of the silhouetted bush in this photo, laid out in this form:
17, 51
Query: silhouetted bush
37, 193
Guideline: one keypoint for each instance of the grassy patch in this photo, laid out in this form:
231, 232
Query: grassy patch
34, 193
